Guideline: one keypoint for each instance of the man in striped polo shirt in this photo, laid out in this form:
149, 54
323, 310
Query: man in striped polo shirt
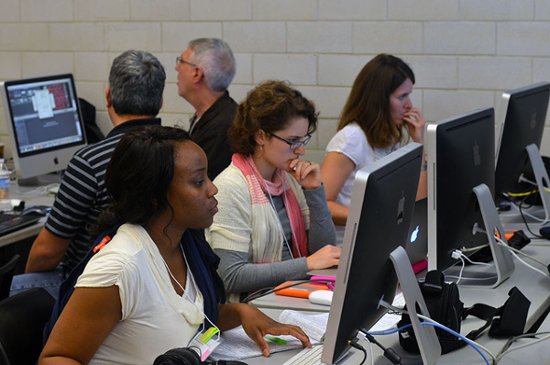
134, 98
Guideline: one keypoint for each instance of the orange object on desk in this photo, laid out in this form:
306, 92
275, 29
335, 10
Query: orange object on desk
301, 290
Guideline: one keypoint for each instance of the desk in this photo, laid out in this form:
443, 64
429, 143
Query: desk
30, 198
273, 301
533, 285
512, 219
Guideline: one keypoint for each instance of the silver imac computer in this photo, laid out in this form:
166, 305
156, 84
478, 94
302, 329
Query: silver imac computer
44, 123
373, 259
461, 209
524, 111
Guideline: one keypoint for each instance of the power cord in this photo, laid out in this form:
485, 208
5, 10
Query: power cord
522, 214
459, 255
389, 353
506, 350
359, 347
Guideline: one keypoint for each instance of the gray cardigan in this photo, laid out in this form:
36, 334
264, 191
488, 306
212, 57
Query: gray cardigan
241, 276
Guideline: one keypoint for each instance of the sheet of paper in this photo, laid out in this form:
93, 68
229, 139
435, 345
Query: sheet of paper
314, 325
387, 322
236, 345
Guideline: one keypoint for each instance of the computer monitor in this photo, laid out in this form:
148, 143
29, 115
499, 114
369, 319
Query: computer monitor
44, 123
524, 112
460, 157
378, 223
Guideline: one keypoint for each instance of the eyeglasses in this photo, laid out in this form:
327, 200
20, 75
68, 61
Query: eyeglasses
181, 60
296, 144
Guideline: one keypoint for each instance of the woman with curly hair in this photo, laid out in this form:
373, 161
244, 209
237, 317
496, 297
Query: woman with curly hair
273, 223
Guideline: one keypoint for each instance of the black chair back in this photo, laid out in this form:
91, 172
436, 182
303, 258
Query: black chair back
6, 276
22, 320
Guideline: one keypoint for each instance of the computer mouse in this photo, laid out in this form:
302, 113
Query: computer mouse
323, 297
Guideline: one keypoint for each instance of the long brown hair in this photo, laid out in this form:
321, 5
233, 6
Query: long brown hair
368, 103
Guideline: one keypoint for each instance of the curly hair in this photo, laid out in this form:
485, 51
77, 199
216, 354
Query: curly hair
368, 103
270, 106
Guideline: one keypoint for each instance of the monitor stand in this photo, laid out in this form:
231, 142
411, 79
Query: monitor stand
426, 338
502, 258
536, 217
541, 177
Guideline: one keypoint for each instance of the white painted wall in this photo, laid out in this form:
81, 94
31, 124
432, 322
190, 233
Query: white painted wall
465, 53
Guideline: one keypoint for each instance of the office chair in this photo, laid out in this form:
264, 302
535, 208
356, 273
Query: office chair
6, 276
22, 320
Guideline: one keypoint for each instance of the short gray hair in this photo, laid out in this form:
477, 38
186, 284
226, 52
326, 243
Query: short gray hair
216, 59
136, 83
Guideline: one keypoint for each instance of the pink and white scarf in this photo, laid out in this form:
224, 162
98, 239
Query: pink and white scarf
259, 187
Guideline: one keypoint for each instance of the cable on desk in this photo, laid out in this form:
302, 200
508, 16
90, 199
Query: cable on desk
433, 323
530, 215
506, 350
359, 347
389, 353
513, 251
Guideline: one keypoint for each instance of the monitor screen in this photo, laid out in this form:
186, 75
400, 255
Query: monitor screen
460, 155
525, 112
382, 204
44, 123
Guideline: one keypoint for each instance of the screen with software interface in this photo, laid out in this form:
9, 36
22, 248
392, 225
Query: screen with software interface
44, 114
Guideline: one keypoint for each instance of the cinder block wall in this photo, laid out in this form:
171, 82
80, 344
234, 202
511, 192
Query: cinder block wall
465, 53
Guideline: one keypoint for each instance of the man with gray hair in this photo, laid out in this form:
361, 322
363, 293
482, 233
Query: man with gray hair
134, 98
205, 71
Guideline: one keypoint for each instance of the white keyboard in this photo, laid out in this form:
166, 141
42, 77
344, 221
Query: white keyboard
308, 356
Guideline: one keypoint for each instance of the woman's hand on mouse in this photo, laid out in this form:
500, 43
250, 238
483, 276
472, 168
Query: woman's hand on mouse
325, 257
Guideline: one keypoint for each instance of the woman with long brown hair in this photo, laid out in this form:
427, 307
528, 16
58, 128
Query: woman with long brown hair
377, 117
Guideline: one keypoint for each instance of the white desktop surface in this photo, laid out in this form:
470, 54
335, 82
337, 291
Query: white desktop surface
532, 284
31, 197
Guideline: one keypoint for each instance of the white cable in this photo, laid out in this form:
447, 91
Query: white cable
370, 348
501, 242
472, 279
475, 262
465, 249
501, 355
528, 214
529, 266
461, 269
